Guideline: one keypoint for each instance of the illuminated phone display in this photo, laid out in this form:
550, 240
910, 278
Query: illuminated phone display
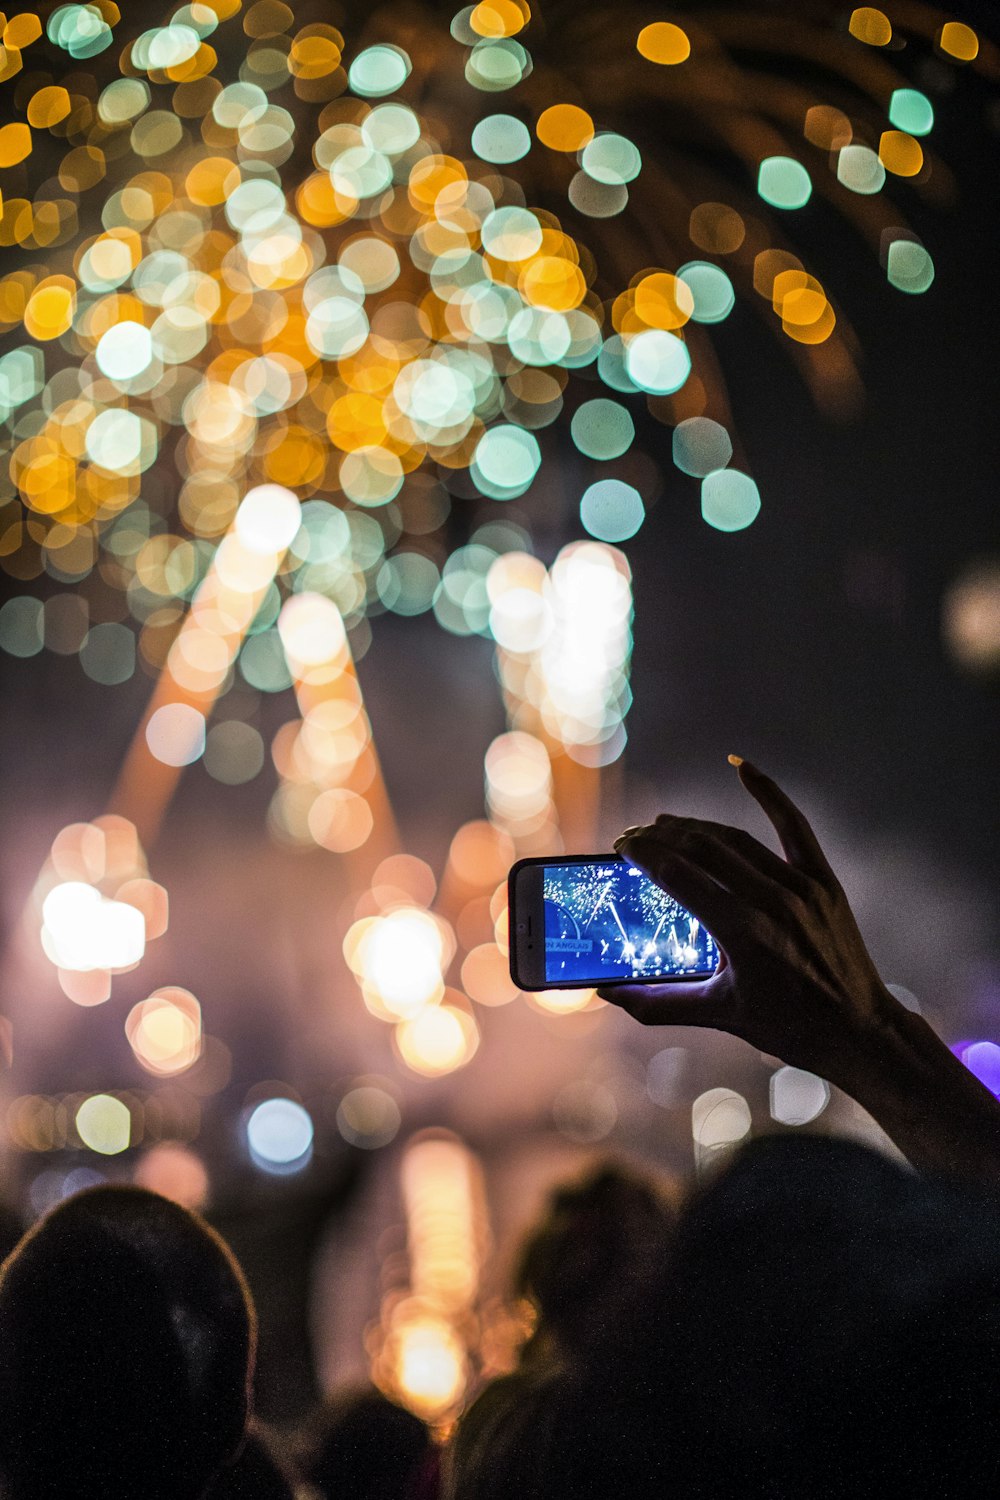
607, 921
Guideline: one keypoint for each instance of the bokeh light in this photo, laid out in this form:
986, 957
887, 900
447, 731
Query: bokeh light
279, 1136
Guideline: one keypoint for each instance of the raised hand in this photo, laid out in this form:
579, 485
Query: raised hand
797, 981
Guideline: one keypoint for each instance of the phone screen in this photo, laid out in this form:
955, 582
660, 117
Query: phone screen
607, 920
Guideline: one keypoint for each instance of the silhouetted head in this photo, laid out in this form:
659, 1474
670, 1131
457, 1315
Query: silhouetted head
827, 1323
596, 1237
127, 1336
362, 1445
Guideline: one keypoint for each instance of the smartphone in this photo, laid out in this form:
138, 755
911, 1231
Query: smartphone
589, 919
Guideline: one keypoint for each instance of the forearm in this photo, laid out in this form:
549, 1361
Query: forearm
938, 1114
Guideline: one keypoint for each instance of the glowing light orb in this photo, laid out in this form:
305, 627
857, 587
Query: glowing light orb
268, 518
797, 1097
602, 429
104, 1124
176, 734
84, 931
501, 139
379, 70
124, 351
784, 182
701, 446
280, 1136
437, 1041
611, 510
657, 361
912, 111
730, 500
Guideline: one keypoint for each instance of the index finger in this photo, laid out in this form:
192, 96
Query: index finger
801, 846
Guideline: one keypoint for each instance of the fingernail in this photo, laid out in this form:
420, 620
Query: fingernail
735, 760
627, 833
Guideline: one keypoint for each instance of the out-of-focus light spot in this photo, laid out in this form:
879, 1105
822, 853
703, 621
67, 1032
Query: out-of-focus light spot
598, 200
378, 71
859, 169
176, 734
611, 159
564, 127
50, 309
430, 1364
340, 820
611, 510
784, 182
22, 630
234, 752
108, 653
312, 631
657, 361
560, 1002
665, 1075
905, 997
495, 64
602, 429
368, 1117
501, 138
700, 446
485, 976
83, 930
730, 500
971, 617
909, 267
828, 128
121, 441
511, 234
371, 476
506, 460
498, 18
912, 111
983, 1060
900, 153
373, 261
280, 1136
711, 290
437, 1041
164, 1031
719, 1117
174, 1172
663, 42
124, 351
585, 1112
797, 1097
717, 228
871, 26
15, 144
958, 41
104, 1124
268, 518
400, 958
407, 583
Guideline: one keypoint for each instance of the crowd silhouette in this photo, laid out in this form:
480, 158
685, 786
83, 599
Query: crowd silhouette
811, 1319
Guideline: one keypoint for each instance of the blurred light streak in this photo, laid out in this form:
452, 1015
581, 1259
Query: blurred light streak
427, 1341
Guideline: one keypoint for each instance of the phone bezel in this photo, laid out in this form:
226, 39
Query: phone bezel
530, 902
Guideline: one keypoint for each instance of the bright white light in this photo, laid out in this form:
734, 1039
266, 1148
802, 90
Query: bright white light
268, 518
176, 734
719, 1117
280, 1135
84, 930
124, 351
401, 958
311, 629
797, 1097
